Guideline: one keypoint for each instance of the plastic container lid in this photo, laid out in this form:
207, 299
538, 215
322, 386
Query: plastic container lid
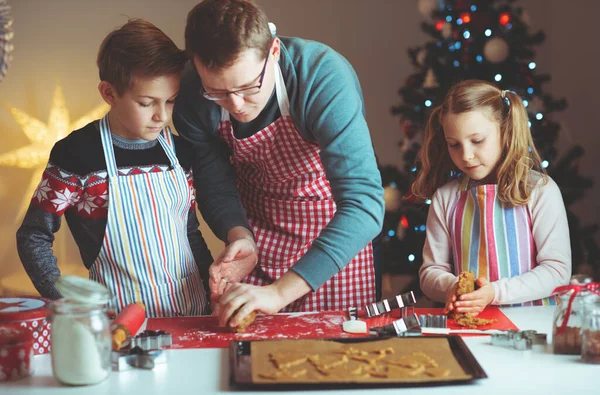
22, 309
82, 290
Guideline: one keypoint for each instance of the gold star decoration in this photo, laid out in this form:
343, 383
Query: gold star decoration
42, 138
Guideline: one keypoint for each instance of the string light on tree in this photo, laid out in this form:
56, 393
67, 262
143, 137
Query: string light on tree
504, 18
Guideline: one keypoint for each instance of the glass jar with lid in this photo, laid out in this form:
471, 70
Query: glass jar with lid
81, 336
590, 334
569, 316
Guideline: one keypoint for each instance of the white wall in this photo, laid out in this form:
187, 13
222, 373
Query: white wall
56, 43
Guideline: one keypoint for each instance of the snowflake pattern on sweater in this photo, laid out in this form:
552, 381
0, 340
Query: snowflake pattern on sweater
61, 190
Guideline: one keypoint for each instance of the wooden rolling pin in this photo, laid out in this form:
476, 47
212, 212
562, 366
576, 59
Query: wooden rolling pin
127, 324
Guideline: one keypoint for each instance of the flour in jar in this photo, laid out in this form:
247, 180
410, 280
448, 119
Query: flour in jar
79, 356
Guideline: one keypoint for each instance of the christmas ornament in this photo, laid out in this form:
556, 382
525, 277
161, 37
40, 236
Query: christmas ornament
504, 18
496, 50
447, 30
535, 105
430, 80
427, 7
392, 197
6, 36
42, 137
422, 56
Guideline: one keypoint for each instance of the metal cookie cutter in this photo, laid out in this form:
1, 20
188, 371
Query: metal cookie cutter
136, 358
152, 340
385, 306
433, 320
519, 340
147, 350
400, 327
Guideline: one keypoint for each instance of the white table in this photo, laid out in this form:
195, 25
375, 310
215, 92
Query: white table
205, 371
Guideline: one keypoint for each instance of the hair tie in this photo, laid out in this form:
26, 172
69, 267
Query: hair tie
504, 97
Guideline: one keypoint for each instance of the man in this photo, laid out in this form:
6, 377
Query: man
284, 117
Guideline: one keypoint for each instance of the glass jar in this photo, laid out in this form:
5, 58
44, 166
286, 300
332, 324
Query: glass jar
567, 339
590, 349
81, 336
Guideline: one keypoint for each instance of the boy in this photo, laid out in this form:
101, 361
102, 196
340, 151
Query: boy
124, 184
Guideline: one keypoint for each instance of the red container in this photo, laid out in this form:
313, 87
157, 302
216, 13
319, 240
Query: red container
28, 312
16, 352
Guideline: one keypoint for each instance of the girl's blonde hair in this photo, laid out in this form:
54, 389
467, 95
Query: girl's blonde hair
518, 157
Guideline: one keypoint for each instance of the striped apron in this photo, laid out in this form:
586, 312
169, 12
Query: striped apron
489, 239
288, 200
146, 255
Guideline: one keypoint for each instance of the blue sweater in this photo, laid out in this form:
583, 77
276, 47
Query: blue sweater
326, 106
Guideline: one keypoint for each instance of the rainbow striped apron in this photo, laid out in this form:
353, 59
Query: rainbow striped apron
489, 239
146, 255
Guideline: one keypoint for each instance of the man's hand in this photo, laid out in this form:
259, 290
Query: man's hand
474, 302
234, 263
247, 298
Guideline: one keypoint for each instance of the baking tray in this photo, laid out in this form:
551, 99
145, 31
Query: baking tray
241, 367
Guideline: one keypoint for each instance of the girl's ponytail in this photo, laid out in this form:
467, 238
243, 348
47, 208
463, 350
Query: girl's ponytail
520, 155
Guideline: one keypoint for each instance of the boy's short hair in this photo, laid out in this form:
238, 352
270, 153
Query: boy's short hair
218, 31
138, 48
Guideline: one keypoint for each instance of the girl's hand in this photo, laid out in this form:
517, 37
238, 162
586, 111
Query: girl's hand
474, 302
247, 298
451, 299
232, 266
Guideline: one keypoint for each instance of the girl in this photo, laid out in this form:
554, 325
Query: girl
494, 211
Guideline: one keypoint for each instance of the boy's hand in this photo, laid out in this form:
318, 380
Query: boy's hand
474, 302
235, 262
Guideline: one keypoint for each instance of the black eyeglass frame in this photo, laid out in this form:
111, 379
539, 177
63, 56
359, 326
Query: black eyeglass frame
238, 92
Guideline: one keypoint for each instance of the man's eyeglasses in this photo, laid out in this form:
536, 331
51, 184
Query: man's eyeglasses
253, 90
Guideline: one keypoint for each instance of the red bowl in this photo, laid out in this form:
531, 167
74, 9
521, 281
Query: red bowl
28, 312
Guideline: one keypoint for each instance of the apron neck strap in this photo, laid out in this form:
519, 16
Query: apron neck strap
165, 139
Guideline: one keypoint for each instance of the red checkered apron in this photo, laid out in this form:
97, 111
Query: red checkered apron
288, 200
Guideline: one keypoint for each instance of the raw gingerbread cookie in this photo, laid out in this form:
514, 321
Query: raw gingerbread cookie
327, 361
249, 319
285, 360
283, 374
437, 372
400, 371
349, 368
413, 360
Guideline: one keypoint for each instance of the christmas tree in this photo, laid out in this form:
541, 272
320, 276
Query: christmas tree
475, 39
